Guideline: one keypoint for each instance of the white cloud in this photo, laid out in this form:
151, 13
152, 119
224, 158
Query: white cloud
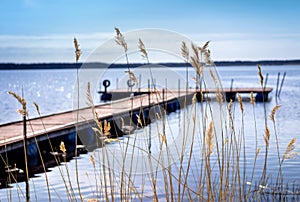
227, 46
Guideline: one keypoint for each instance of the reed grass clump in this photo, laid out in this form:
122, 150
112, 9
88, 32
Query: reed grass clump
213, 163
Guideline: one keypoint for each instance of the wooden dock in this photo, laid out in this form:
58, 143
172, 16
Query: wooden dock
229, 93
11, 134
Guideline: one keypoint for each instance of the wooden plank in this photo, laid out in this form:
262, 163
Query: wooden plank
206, 90
10, 133
13, 132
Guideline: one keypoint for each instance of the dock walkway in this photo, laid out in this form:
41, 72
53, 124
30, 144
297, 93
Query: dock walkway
11, 134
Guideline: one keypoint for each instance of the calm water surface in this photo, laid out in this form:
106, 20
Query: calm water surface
53, 90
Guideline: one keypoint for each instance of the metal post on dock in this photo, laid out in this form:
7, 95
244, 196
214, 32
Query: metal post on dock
178, 88
282, 81
277, 85
25, 153
266, 81
23, 102
231, 84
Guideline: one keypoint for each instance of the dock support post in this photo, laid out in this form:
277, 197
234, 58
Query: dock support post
25, 148
230, 96
262, 97
26, 156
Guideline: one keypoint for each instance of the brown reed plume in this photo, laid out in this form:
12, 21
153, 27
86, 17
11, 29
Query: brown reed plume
195, 60
260, 76
62, 147
252, 99
240, 102
209, 139
206, 53
185, 52
272, 115
288, 154
120, 40
267, 136
20, 99
77, 50
143, 50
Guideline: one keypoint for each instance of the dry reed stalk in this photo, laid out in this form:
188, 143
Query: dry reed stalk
52, 148
156, 93
23, 112
77, 57
62, 148
209, 145
272, 117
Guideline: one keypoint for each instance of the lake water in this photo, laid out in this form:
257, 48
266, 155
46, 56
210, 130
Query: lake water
53, 90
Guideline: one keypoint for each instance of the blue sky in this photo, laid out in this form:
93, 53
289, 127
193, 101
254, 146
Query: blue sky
42, 31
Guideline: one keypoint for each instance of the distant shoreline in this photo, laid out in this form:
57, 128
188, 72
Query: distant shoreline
25, 66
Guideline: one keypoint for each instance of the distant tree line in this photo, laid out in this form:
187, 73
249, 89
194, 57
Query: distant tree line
19, 66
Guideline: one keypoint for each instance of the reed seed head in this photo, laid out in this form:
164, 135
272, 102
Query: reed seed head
272, 115
204, 47
131, 76
106, 128
267, 136
22, 112
92, 159
288, 154
185, 51
219, 96
260, 76
62, 147
139, 120
17, 97
194, 99
37, 107
120, 40
143, 49
209, 139
252, 99
240, 102
77, 50
207, 58
163, 138
230, 106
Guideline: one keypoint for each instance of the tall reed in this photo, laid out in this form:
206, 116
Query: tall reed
212, 163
